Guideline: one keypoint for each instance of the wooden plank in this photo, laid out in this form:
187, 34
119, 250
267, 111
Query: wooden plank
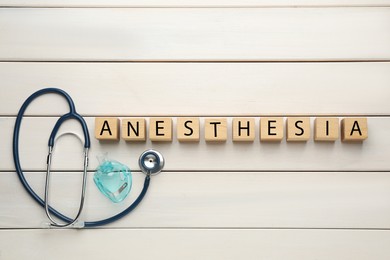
196, 244
192, 3
214, 200
200, 34
139, 89
371, 155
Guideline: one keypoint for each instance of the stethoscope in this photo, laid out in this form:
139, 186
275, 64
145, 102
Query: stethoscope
151, 163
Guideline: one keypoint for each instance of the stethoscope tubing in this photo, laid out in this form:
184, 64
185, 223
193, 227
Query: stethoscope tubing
71, 115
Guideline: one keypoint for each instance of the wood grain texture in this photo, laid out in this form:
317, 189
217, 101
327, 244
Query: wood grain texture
160, 129
107, 128
271, 129
196, 244
354, 129
246, 88
187, 129
243, 129
214, 200
326, 129
298, 129
192, 3
133, 129
203, 34
215, 129
371, 155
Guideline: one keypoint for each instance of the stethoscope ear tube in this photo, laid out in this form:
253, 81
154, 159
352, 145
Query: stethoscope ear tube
62, 119
71, 115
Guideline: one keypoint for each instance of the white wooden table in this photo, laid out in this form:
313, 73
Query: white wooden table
215, 58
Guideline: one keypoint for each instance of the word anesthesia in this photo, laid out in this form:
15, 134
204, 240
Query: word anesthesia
271, 129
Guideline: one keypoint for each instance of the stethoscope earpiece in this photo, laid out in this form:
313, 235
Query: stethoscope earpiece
151, 162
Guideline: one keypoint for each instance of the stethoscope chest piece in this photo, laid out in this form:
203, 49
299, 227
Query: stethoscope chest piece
151, 162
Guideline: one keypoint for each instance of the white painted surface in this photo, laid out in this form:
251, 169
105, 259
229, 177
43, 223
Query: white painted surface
192, 3
209, 89
198, 34
229, 201
196, 244
215, 200
210, 244
371, 155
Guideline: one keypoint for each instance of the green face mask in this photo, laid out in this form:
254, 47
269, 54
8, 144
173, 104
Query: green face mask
113, 180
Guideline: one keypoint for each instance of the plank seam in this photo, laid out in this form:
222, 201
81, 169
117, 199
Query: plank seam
189, 6
196, 115
215, 171
384, 60
209, 228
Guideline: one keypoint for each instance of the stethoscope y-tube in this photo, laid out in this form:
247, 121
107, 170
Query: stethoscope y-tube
44, 203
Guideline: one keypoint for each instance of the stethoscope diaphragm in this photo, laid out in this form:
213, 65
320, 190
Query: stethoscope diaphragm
151, 162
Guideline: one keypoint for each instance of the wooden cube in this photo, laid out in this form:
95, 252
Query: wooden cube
160, 129
298, 129
354, 129
243, 129
107, 128
215, 129
133, 129
271, 129
326, 129
187, 129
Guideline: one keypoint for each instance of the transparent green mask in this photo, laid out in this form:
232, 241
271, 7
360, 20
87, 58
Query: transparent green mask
113, 179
